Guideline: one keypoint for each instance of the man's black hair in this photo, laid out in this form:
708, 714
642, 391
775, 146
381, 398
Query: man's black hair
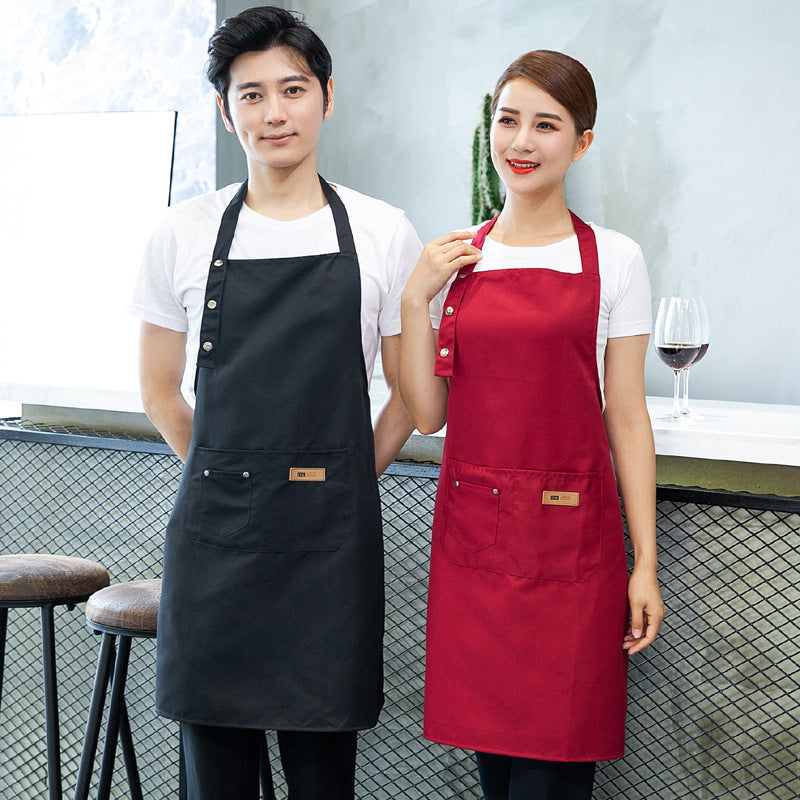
263, 28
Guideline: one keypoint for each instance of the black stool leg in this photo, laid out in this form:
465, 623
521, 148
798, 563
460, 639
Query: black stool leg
51, 703
3, 621
126, 742
105, 664
114, 713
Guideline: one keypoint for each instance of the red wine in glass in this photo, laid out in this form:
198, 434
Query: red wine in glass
679, 356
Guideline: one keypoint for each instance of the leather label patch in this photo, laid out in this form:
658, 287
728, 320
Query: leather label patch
561, 498
307, 473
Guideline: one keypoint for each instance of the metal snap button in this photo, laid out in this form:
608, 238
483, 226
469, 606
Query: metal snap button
245, 474
444, 352
495, 491
455, 483
449, 310
462, 274
208, 347
212, 304
206, 473
219, 262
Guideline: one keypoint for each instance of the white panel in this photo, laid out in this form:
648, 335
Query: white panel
79, 197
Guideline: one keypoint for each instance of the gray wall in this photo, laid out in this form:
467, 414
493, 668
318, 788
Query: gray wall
695, 155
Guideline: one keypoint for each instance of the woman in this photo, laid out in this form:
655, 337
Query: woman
538, 371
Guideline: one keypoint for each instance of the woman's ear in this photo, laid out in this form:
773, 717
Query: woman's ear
583, 144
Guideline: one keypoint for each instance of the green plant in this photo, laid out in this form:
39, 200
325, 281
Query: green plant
486, 199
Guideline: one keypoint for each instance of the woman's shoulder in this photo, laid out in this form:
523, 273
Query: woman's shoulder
615, 244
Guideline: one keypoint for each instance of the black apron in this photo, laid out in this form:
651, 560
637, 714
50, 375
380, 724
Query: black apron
271, 612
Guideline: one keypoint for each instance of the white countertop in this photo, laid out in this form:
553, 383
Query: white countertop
749, 432
745, 432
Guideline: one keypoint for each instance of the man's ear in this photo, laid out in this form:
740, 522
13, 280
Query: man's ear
225, 121
329, 107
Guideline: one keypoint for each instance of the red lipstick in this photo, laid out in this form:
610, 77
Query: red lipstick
522, 167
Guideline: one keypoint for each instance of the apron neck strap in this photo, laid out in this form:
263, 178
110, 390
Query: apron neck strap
587, 244
227, 226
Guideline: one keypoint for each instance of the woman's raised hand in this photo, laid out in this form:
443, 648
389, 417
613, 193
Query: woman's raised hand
439, 260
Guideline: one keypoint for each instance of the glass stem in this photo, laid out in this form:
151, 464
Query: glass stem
676, 410
685, 406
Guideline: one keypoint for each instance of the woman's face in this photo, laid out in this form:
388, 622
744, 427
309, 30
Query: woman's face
533, 139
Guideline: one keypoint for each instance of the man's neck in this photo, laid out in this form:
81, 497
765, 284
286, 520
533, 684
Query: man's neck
285, 194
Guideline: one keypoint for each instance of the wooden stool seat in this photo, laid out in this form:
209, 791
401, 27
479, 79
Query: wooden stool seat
33, 579
36, 580
130, 608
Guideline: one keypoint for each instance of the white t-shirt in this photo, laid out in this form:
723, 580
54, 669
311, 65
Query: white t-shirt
625, 305
172, 280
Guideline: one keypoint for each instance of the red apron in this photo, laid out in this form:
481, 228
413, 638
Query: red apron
527, 602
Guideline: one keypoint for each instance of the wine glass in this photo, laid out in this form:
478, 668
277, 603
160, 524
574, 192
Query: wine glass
705, 331
677, 339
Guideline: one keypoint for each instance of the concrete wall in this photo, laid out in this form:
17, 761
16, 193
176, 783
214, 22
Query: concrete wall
695, 155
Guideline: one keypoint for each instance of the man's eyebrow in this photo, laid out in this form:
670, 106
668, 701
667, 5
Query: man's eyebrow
258, 84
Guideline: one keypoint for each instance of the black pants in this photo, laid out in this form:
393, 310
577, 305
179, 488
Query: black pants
512, 778
223, 763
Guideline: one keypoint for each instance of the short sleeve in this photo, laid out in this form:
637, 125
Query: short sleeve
154, 298
631, 310
401, 257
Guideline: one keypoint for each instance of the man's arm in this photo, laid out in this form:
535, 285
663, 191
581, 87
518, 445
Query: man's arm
393, 426
162, 358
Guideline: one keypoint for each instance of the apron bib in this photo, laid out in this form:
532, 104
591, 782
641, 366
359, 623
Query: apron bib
271, 613
527, 600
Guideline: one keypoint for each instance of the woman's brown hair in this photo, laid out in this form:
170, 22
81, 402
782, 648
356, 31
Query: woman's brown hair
562, 77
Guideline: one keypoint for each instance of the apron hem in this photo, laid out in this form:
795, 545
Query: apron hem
266, 727
515, 753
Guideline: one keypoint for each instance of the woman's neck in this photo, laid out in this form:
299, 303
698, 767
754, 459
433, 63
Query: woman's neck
533, 221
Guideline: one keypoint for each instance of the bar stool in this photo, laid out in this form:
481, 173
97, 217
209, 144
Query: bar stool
45, 581
120, 613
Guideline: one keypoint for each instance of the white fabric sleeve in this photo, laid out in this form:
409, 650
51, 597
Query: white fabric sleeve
154, 298
401, 258
632, 310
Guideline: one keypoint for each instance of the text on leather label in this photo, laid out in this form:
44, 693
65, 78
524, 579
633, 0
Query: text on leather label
307, 473
561, 498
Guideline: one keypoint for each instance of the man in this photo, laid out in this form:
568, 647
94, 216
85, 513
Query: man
280, 291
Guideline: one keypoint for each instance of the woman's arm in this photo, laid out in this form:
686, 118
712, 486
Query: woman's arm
162, 359
423, 392
630, 437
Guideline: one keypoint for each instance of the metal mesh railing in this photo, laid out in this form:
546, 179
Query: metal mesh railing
714, 704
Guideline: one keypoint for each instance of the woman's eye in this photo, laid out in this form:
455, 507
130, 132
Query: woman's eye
546, 126
505, 121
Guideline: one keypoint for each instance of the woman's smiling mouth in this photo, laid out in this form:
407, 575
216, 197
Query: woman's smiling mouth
522, 167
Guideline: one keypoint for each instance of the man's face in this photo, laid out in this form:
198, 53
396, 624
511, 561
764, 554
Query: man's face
276, 108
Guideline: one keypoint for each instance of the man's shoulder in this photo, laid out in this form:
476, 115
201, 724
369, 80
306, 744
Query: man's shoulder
201, 209
368, 211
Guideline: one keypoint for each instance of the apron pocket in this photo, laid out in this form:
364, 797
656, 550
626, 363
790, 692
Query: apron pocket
271, 501
473, 496
556, 528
